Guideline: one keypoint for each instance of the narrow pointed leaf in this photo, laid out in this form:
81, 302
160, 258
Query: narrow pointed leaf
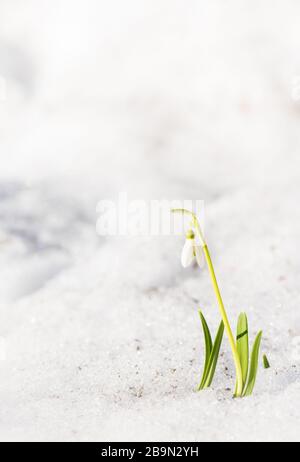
211, 368
266, 362
208, 348
207, 338
242, 339
253, 365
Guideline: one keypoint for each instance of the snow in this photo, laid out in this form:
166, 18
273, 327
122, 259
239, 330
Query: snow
99, 336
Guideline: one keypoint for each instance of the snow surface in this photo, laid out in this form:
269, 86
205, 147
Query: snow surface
100, 337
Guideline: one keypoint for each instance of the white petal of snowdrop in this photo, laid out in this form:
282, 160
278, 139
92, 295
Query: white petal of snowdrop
187, 255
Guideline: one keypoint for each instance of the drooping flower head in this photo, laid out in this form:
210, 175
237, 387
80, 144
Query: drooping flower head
192, 251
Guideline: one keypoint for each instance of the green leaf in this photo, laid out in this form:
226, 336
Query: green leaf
243, 344
207, 337
266, 362
211, 353
253, 365
211, 368
208, 348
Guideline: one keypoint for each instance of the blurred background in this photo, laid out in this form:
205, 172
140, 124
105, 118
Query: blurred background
162, 99
155, 89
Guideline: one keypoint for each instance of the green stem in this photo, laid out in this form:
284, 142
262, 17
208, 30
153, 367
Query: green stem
239, 374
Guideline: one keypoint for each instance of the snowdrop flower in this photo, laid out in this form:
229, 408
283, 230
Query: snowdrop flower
195, 248
191, 251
